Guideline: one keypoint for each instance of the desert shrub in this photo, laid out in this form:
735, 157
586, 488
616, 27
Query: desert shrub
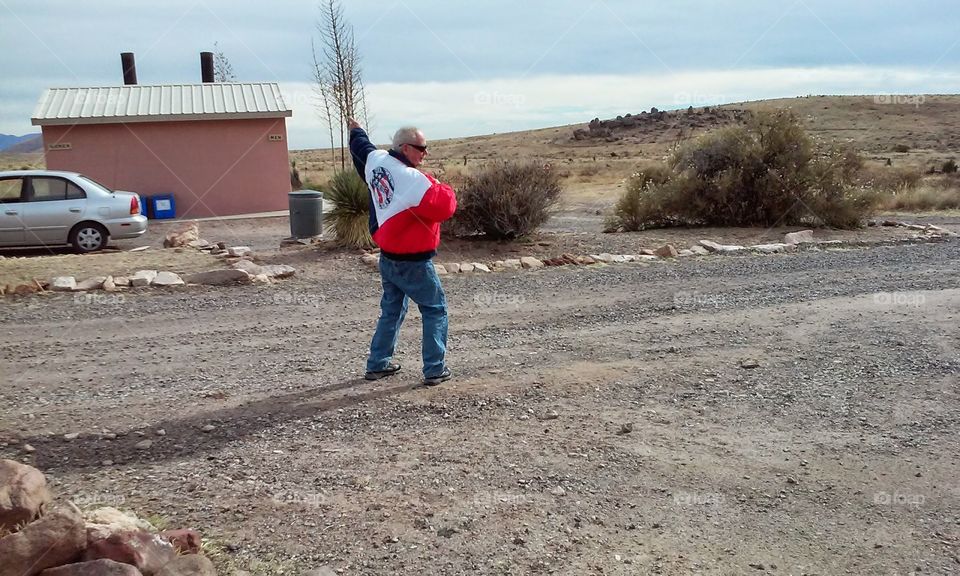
349, 220
902, 148
764, 173
949, 167
506, 200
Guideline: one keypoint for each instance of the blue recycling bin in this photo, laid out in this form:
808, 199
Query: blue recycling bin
162, 206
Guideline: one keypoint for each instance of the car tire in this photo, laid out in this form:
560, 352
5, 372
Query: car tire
88, 237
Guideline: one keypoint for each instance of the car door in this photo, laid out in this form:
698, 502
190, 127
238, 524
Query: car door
11, 224
53, 206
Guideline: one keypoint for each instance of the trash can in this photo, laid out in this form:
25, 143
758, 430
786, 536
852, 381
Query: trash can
162, 207
306, 213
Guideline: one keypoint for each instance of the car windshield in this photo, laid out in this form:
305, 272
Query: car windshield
94, 182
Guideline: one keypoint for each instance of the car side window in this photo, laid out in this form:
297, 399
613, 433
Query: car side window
74, 192
10, 190
47, 189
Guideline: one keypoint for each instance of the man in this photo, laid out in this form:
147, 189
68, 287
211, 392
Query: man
406, 209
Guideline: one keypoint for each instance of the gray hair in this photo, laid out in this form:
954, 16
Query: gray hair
405, 135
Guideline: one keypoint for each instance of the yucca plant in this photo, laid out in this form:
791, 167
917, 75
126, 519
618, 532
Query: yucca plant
349, 220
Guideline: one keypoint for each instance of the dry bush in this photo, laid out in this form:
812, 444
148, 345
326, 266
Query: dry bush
506, 200
766, 173
890, 179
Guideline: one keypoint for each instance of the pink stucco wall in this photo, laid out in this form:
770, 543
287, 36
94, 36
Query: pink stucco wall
212, 167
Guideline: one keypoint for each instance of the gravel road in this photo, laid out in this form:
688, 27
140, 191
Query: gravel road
790, 414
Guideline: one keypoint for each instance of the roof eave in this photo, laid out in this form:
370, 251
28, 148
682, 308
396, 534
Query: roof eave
159, 118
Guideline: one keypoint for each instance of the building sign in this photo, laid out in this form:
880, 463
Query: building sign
59, 146
276, 137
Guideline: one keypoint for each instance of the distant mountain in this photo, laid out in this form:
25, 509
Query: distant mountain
31, 142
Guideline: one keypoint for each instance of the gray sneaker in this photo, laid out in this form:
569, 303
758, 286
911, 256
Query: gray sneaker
441, 377
390, 370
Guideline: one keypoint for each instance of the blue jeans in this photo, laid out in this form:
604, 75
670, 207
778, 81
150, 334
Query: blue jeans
419, 282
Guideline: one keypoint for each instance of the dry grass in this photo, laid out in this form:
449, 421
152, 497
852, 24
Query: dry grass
933, 193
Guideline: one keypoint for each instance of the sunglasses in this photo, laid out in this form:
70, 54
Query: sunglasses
418, 147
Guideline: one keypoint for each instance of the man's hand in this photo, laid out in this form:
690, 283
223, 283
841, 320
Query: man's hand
351, 123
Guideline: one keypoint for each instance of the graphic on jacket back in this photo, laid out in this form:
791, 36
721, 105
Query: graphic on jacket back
382, 186
394, 186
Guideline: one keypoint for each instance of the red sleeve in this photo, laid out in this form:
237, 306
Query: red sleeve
438, 204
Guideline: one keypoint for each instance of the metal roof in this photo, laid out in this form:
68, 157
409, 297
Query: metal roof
159, 103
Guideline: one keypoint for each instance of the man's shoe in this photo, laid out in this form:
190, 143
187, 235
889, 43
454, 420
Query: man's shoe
441, 377
390, 370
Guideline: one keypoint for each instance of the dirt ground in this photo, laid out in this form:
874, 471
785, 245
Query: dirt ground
783, 414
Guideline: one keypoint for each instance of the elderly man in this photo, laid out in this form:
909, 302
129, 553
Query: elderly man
406, 209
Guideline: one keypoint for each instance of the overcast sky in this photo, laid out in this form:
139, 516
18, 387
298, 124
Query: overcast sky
464, 68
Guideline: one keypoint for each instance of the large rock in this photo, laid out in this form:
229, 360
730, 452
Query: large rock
715, 247
800, 237
223, 277
149, 553
531, 263
55, 539
107, 520
184, 541
249, 267
23, 495
182, 235
142, 278
279, 270
167, 279
93, 568
466, 267
240, 251
189, 565
94, 283
452, 267
773, 248
63, 283
479, 267
666, 251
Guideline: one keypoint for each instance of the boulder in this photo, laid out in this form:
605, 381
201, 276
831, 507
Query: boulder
464, 267
260, 279
189, 565
530, 263
452, 267
184, 541
798, 237
279, 270
666, 251
772, 248
715, 247
249, 267
109, 285
23, 495
142, 278
371, 259
182, 235
94, 283
646, 252
121, 281
94, 568
512, 264
223, 277
440, 269
239, 251
481, 267
167, 279
699, 250
107, 520
149, 553
63, 283
56, 539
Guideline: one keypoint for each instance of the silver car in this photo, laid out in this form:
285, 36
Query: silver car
47, 208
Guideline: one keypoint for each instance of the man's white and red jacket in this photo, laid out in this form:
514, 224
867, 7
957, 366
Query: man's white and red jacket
406, 205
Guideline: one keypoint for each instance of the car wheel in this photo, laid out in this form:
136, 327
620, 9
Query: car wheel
88, 237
